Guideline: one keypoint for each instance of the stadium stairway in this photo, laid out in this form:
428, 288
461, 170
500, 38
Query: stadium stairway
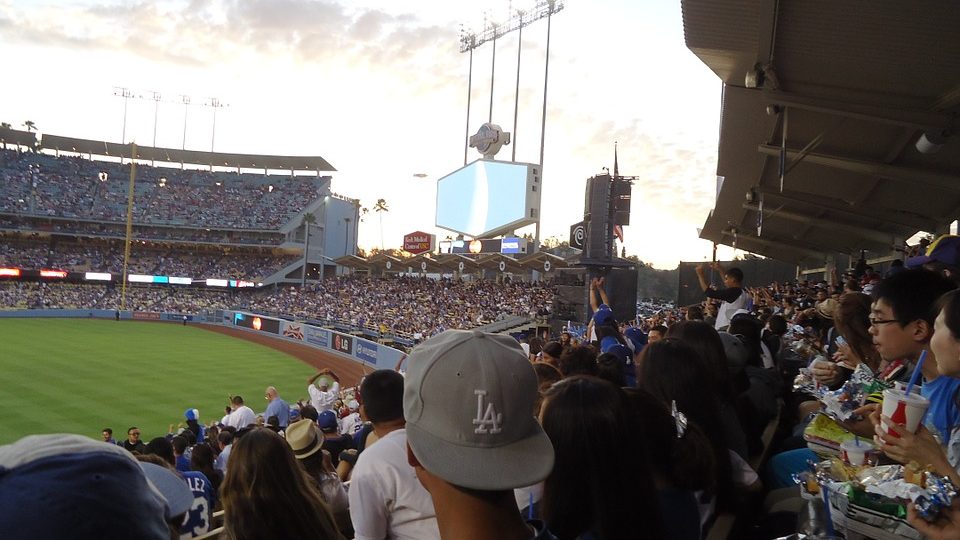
509, 325
280, 275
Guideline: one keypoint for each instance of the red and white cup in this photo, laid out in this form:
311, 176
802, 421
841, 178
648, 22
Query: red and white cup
903, 409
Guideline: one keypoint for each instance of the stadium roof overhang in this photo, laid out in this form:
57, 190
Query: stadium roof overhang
424, 263
17, 137
541, 260
492, 262
451, 262
173, 155
352, 261
382, 262
848, 91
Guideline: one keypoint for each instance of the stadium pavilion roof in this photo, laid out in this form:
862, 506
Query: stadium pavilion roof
173, 155
17, 137
847, 88
449, 263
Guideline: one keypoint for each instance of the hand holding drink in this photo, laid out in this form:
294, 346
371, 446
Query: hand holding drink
905, 407
902, 408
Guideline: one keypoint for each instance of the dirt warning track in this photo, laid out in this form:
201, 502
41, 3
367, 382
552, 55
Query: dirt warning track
350, 372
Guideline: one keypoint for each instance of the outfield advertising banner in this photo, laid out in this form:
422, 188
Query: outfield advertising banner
146, 315
359, 349
343, 343
256, 322
367, 351
292, 330
317, 337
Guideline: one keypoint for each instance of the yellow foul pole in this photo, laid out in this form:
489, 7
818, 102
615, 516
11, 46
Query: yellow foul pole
129, 235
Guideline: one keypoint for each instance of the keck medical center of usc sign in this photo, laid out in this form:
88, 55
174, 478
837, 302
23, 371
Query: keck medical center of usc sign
419, 242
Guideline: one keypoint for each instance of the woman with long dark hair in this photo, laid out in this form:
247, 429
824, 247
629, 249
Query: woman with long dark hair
266, 494
852, 322
680, 460
601, 487
705, 340
673, 372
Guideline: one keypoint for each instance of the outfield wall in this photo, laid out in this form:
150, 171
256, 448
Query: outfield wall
96, 314
364, 351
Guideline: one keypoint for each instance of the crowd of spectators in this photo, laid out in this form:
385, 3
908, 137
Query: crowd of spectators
415, 306
656, 429
94, 255
72, 187
140, 232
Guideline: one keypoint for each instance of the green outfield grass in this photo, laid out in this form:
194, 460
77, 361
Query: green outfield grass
80, 376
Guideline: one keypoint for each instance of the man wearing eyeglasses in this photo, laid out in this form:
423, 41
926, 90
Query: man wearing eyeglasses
901, 323
133, 442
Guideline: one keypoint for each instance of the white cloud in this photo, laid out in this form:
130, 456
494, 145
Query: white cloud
380, 91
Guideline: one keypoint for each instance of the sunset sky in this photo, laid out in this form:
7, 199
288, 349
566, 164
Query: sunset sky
379, 89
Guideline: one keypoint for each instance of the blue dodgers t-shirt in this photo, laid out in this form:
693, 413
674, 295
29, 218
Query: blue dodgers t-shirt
943, 414
198, 517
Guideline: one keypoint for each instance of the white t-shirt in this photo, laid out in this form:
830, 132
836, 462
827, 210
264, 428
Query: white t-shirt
386, 498
241, 417
728, 309
323, 401
350, 423
333, 493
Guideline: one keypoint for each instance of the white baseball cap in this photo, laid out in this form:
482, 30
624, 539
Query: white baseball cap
468, 401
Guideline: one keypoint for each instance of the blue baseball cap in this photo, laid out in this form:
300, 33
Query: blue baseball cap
192, 414
945, 249
327, 420
603, 315
636, 337
69, 486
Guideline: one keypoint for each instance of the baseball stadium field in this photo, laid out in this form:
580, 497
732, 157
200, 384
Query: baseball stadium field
82, 375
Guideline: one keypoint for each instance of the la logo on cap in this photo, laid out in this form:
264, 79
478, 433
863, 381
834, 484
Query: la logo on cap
488, 420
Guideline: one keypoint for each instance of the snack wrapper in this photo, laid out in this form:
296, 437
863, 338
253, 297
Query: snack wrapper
841, 403
824, 435
804, 383
935, 493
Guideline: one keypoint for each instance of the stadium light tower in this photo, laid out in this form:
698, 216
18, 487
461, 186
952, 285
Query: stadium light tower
157, 97
186, 106
126, 94
493, 30
215, 103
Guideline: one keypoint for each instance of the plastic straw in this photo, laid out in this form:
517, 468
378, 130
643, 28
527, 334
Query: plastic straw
530, 507
826, 510
916, 372
856, 439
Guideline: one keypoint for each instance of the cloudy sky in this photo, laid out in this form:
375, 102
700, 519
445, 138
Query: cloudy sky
379, 89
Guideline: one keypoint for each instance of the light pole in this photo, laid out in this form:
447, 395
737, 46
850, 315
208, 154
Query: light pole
126, 94
215, 103
156, 110
186, 105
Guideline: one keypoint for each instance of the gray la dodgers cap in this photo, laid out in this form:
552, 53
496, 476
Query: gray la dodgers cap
468, 401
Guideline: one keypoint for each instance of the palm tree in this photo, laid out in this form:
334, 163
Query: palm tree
380, 208
308, 219
31, 127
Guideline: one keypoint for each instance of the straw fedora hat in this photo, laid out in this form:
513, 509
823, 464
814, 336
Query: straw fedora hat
304, 438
